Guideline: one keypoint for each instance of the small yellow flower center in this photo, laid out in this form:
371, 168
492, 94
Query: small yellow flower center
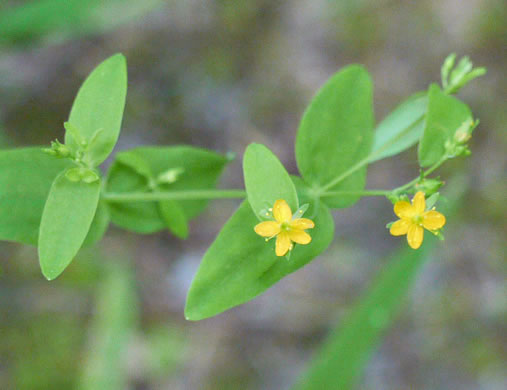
417, 219
285, 226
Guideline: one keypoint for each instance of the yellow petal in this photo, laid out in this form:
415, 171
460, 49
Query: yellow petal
299, 236
302, 224
419, 203
267, 229
415, 236
400, 227
433, 220
404, 209
282, 243
281, 211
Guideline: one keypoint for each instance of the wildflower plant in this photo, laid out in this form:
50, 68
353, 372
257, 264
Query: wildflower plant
58, 199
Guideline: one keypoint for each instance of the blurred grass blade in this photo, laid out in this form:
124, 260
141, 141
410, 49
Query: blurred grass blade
347, 349
111, 328
64, 19
40, 17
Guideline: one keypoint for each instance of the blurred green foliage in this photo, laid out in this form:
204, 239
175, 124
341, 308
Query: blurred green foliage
216, 74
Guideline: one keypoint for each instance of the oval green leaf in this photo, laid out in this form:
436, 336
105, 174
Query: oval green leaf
335, 135
97, 111
174, 217
26, 176
240, 265
66, 220
266, 180
445, 115
401, 129
99, 225
135, 169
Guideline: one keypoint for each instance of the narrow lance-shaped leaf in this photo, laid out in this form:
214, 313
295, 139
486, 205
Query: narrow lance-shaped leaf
335, 135
445, 115
266, 180
240, 265
66, 219
401, 129
97, 112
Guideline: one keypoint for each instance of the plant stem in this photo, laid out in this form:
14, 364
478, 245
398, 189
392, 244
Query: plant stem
356, 193
370, 158
173, 195
125, 197
241, 194
424, 174
344, 175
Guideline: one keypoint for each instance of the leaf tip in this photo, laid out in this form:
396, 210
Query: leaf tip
50, 274
191, 314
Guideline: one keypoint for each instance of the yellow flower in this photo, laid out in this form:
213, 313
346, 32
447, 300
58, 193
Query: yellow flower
413, 218
286, 229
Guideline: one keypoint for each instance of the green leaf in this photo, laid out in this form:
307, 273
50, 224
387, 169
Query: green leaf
26, 176
445, 115
105, 366
266, 180
66, 220
98, 110
174, 217
99, 225
348, 347
335, 135
136, 170
240, 265
401, 129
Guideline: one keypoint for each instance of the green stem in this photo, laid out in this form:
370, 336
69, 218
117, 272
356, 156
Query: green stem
241, 194
424, 174
356, 193
365, 161
344, 175
173, 195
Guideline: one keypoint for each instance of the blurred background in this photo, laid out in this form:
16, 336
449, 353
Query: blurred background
219, 75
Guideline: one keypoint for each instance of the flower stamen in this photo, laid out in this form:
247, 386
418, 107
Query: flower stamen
414, 219
287, 229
